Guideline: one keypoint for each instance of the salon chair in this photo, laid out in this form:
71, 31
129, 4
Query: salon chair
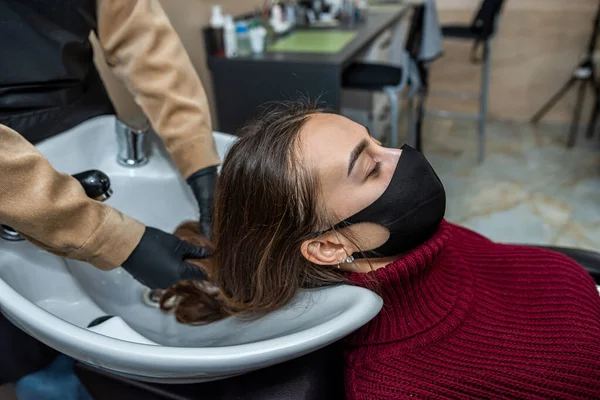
392, 80
316, 376
481, 32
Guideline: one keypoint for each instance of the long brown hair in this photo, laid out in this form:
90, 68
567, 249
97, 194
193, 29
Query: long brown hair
266, 207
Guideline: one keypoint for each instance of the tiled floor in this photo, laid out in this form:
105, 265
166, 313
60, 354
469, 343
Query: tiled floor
530, 187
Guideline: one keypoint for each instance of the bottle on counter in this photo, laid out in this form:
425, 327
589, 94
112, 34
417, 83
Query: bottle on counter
290, 14
277, 22
217, 19
362, 10
257, 38
244, 47
230, 36
217, 34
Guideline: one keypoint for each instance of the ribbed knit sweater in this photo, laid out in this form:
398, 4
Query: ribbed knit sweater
466, 318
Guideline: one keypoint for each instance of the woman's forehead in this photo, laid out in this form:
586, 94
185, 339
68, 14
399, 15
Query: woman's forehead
326, 141
325, 133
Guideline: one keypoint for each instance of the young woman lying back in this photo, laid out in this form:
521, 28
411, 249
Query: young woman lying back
308, 199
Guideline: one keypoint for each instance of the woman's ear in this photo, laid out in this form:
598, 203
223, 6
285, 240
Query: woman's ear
326, 249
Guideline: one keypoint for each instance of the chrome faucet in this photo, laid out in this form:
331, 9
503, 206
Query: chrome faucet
132, 141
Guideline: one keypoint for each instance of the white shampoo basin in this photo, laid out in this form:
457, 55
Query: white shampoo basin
54, 299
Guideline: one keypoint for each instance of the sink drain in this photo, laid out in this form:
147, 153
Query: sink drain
151, 297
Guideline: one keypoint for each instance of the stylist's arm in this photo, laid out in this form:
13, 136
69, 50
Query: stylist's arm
52, 211
142, 49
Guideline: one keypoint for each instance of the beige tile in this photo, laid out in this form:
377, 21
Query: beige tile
517, 225
553, 211
530, 188
489, 197
579, 235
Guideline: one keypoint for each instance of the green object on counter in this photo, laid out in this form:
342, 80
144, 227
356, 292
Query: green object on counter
329, 42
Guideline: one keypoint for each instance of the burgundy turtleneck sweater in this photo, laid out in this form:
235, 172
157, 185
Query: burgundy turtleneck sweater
466, 318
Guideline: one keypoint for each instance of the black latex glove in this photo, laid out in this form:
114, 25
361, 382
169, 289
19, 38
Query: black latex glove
158, 260
203, 184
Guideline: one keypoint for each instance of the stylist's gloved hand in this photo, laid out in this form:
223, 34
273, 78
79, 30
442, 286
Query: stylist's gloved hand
203, 184
158, 261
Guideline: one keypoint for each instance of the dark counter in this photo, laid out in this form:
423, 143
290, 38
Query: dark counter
243, 84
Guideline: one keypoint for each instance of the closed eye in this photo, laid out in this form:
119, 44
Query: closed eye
375, 170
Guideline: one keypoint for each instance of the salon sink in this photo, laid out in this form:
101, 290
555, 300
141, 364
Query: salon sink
54, 299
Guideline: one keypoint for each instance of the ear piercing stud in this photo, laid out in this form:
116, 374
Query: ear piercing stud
346, 260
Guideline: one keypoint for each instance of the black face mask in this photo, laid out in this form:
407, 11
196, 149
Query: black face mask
411, 207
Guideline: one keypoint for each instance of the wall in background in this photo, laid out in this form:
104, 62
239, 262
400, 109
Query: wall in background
538, 45
188, 17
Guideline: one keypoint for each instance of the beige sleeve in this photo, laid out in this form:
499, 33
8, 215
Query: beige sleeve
142, 49
51, 209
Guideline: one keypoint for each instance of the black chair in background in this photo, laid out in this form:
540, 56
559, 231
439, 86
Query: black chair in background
393, 79
481, 31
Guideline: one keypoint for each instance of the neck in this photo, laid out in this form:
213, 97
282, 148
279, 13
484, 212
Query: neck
426, 292
366, 265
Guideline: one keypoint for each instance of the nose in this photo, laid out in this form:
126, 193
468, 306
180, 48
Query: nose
393, 153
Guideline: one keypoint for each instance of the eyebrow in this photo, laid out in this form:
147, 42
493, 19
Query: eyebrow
360, 147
